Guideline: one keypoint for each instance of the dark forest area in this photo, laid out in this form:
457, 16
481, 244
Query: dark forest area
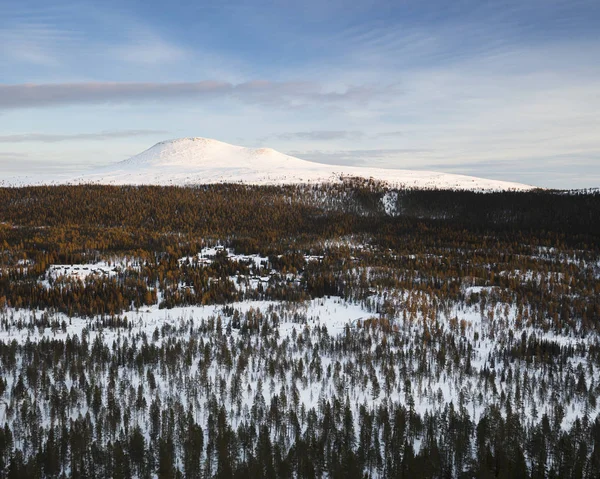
342, 330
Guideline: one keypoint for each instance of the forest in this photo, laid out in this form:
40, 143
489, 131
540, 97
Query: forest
324, 331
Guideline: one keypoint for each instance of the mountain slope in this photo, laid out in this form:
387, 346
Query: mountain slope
193, 161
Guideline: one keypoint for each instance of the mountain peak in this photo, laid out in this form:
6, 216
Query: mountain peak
198, 140
197, 160
198, 152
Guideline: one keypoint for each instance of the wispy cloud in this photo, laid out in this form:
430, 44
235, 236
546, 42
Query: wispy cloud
34, 42
389, 134
383, 158
321, 135
143, 46
24, 166
54, 138
558, 172
332, 135
9, 155
73, 37
259, 92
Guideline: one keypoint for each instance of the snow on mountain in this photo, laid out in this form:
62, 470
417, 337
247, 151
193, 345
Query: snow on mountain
194, 161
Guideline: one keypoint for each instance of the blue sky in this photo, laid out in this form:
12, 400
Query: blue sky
499, 89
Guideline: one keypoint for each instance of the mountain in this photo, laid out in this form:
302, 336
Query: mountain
194, 161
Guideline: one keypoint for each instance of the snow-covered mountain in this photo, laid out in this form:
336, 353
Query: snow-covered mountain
193, 161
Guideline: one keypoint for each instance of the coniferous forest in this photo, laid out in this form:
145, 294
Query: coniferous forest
334, 331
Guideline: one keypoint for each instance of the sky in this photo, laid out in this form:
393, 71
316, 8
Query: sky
500, 89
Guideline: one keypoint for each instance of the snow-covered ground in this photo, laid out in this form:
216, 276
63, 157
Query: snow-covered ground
442, 386
332, 313
208, 254
194, 161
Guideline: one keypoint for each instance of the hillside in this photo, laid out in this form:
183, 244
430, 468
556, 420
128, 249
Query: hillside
194, 161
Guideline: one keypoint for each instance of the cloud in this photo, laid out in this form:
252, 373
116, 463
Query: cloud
52, 138
13, 162
258, 92
321, 135
145, 47
559, 171
60, 94
297, 93
481, 84
22, 167
34, 41
389, 134
9, 155
572, 171
383, 158
73, 34
332, 135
